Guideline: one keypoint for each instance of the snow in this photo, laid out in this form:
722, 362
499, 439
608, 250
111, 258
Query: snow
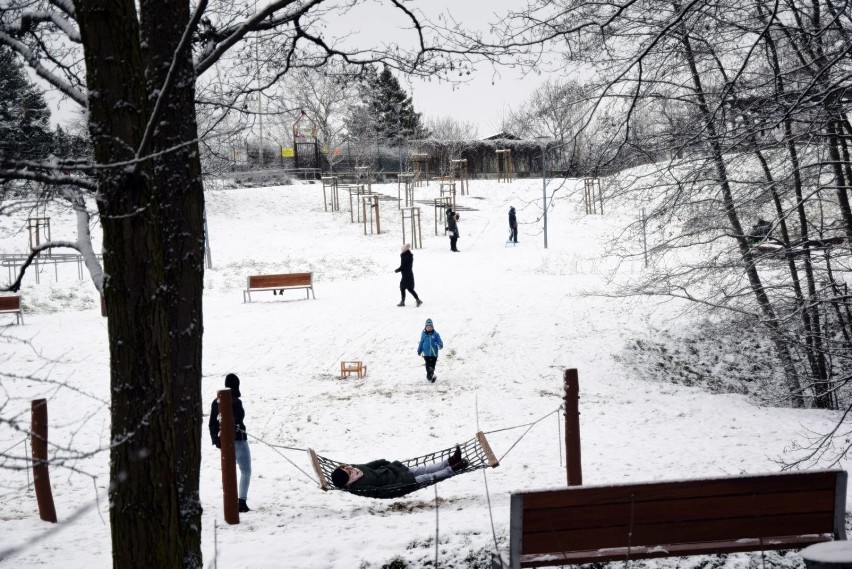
512, 319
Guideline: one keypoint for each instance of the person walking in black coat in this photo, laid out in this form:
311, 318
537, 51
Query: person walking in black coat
453, 229
406, 262
513, 225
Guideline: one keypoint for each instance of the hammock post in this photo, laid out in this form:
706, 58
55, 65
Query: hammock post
229, 457
318, 470
573, 465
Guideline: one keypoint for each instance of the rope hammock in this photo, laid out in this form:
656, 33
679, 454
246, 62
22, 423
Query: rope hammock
476, 451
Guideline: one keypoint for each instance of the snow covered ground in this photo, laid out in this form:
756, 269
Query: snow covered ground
512, 319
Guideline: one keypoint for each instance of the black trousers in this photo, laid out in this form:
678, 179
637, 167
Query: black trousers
431, 361
514, 235
453, 243
403, 287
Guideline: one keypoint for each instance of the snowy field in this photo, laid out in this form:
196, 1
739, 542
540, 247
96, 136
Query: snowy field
512, 319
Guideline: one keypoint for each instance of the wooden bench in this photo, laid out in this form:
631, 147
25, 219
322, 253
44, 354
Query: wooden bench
280, 283
12, 305
595, 524
352, 367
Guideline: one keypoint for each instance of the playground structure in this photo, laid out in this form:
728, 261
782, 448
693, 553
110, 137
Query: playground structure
330, 183
505, 170
420, 165
370, 212
305, 144
411, 217
405, 181
39, 232
458, 171
592, 196
448, 190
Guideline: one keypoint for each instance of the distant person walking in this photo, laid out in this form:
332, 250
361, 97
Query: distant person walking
430, 343
241, 445
453, 229
406, 283
513, 225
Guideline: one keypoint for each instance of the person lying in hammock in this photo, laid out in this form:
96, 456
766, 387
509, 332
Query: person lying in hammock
381, 473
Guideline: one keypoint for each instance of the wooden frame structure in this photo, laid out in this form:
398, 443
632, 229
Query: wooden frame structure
330, 182
405, 183
441, 205
505, 173
448, 190
412, 215
353, 366
420, 165
355, 191
596, 524
38, 228
592, 195
370, 204
458, 171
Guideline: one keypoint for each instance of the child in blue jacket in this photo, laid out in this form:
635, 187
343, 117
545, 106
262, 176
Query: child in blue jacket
430, 343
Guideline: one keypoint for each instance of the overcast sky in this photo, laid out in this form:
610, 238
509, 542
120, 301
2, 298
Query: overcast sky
483, 100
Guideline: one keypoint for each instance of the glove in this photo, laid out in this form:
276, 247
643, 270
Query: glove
419, 354
396, 271
217, 443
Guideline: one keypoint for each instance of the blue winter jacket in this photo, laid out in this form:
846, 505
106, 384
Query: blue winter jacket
429, 343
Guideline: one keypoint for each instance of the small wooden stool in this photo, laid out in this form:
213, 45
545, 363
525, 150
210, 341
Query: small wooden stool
352, 367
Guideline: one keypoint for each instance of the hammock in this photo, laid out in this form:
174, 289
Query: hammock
476, 451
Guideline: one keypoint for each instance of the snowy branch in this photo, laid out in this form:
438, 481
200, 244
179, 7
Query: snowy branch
16, 285
35, 64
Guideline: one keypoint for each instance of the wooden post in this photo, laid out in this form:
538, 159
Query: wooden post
572, 429
41, 476
229, 456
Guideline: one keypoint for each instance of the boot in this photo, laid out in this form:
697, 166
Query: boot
401, 303
460, 465
244, 507
419, 302
456, 456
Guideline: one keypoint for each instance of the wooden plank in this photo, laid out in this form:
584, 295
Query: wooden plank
486, 448
318, 470
282, 280
516, 530
677, 532
743, 486
670, 550
10, 303
682, 509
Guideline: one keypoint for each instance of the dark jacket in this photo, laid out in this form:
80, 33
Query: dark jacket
406, 261
239, 417
451, 223
382, 473
513, 221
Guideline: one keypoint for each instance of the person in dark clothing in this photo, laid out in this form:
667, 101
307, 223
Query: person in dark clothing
406, 261
380, 473
430, 343
241, 445
513, 225
759, 231
453, 229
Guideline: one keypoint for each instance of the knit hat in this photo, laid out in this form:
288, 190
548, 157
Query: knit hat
233, 382
339, 477
429, 322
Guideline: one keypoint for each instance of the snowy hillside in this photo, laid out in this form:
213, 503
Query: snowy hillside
512, 319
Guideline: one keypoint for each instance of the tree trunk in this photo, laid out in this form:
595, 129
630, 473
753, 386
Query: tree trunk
151, 218
771, 320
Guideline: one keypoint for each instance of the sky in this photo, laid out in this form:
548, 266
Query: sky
484, 98
512, 319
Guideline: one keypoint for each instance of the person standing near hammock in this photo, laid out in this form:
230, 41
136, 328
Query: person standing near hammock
430, 343
382, 473
241, 445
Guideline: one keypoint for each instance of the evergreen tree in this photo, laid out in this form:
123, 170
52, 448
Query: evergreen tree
376, 114
24, 116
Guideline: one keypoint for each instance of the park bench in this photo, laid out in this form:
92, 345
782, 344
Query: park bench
276, 283
596, 524
12, 305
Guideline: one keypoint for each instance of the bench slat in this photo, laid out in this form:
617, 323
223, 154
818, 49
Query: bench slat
10, 303
283, 280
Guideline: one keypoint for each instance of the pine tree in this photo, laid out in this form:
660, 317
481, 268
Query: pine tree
376, 115
24, 116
